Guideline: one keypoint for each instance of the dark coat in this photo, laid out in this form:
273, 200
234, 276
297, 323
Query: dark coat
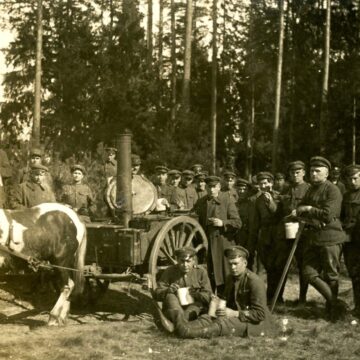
224, 208
247, 295
325, 228
196, 278
350, 215
188, 196
5, 172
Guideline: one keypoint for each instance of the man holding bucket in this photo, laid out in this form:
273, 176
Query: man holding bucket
245, 313
184, 288
323, 234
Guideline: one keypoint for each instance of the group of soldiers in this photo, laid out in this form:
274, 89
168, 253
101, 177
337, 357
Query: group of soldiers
245, 225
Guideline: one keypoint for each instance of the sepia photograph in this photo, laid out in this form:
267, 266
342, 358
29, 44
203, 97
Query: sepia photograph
179, 179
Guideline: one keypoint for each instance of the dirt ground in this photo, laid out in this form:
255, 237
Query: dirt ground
122, 325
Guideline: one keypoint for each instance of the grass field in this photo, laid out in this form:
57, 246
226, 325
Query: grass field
122, 326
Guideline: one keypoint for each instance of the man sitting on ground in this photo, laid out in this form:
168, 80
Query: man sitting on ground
246, 312
184, 274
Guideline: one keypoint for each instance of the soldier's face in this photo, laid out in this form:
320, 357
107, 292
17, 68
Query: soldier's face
242, 189
35, 160
38, 176
77, 176
162, 177
354, 181
187, 180
111, 156
230, 182
214, 190
280, 182
185, 265
237, 265
135, 169
175, 181
265, 185
297, 176
318, 174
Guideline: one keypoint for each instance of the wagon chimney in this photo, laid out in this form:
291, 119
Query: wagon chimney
123, 179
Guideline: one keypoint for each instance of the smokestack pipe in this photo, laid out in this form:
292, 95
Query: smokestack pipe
123, 210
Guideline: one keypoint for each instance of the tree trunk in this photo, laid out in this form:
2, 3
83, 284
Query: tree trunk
149, 32
173, 64
214, 89
37, 100
353, 155
161, 64
187, 59
325, 83
275, 149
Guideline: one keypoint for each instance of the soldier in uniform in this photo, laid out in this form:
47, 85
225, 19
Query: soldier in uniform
135, 164
33, 191
35, 159
174, 177
164, 191
351, 224
220, 219
264, 233
184, 274
246, 312
110, 166
229, 185
79, 195
280, 184
184, 196
200, 184
323, 234
5, 173
197, 169
290, 200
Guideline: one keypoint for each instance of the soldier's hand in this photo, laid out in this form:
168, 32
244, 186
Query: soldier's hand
227, 312
165, 202
217, 222
173, 288
268, 196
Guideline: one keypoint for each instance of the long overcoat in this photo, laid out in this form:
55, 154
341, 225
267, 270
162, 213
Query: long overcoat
223, 207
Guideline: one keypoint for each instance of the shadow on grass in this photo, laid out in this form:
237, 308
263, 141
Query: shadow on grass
309, 311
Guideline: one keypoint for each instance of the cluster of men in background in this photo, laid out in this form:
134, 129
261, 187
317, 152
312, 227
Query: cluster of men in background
245, 216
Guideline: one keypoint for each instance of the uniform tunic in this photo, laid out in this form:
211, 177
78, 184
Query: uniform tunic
351, 223
231, 193
29, 194
324, 235
79, 197
164, 191
196, 279
224, 208
110, 168
186, 195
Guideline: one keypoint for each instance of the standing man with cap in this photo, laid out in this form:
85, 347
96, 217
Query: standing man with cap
264, 233
164, 191
280, 184
334, 177
184, 274
289, 202
229, 185
35, 159
5, 173
184, 196
200, 184
321, 208
351, 223
110, 166
174, 177
246, 313
33, 191
135, 164
79, 195
197, 169
220, 219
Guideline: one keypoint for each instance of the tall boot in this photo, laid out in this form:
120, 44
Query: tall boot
322, 287
303, 288
338, 308
201, 328
356, 295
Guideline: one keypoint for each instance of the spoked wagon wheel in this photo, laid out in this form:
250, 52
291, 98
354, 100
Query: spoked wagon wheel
176, 233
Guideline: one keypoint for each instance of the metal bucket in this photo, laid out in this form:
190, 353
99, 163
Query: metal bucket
291, 229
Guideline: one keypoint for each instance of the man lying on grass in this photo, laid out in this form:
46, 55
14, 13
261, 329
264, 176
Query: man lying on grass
246, 312
184, 288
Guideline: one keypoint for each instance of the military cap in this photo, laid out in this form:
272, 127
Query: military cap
264, 175
36, 152
175, 173
111, 149
196, 167
352, 170
279, 176
212, 180
38, 168
235, 251
188, 173
320, 162
201, 176
296, 165
185, 252
161, 169
242, 181
135, 160
229, 174
78, 167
